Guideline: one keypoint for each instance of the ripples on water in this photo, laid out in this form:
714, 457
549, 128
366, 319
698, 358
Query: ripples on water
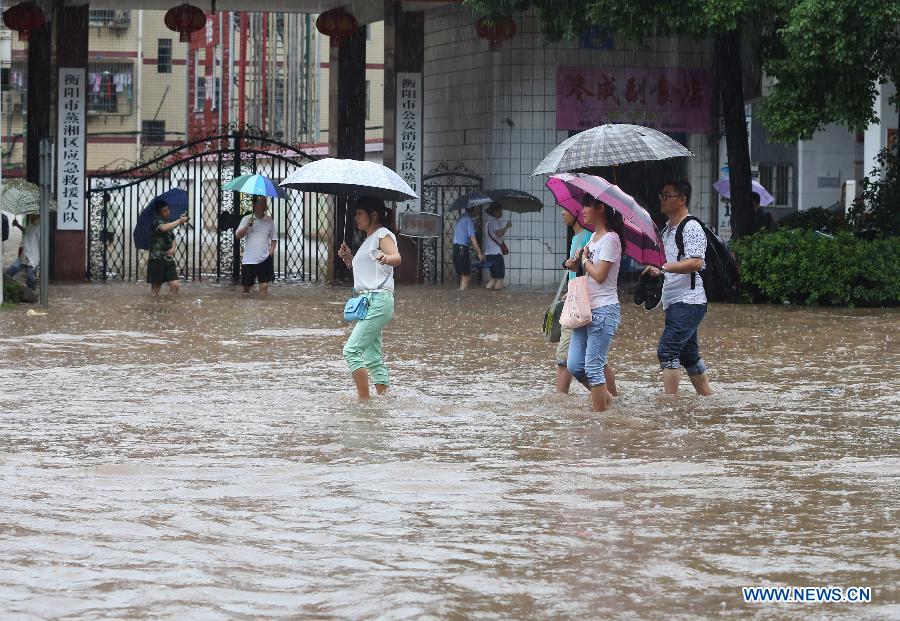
205, 459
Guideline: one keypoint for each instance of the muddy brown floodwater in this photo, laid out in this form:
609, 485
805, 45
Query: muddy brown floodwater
204, 459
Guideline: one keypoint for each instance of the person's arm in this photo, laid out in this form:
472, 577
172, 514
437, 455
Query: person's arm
598, 271
500, 232
18, 225
241, 231
274, 242
694, 249
168, 226
477, 248
345, 254
171, 251
389, 254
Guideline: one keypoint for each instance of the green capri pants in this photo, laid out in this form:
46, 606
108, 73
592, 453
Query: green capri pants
363, 348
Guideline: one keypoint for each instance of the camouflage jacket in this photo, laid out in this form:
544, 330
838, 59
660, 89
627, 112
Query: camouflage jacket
160, 242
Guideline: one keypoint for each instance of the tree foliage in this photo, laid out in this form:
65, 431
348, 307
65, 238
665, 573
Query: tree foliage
827, 57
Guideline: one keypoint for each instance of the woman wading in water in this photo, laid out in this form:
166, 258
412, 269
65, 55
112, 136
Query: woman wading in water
373, 276
589, 347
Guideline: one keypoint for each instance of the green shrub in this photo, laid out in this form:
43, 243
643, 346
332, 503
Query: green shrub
815, 219
805, 267
13, 292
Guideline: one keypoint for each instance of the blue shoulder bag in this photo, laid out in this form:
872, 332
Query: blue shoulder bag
357, 307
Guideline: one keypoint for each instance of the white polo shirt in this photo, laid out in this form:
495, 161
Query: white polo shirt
677, 287
258, 238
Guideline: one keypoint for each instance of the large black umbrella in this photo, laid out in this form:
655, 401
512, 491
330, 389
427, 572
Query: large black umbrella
508, 200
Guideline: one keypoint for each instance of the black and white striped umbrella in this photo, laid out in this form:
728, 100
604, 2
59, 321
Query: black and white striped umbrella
610, 145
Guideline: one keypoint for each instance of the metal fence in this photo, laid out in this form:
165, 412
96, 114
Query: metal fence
206, 248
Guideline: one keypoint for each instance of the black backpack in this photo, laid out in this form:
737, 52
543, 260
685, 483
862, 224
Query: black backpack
5, 228
720, 275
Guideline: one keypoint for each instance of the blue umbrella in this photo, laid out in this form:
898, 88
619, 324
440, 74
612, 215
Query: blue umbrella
255, 184
176, 199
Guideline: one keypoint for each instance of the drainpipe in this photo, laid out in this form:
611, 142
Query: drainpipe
139, 93
264, 71
242, 71
218, 68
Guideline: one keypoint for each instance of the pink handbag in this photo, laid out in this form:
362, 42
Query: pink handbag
576, 312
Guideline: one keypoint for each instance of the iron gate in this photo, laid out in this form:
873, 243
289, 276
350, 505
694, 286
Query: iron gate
440, 188
206, 248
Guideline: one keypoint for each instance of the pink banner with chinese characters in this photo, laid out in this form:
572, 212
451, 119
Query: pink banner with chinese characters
666, 99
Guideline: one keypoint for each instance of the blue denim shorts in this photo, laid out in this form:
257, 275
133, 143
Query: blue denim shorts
679, 345
589, 347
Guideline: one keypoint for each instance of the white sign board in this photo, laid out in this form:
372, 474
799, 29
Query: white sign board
70, 150
417, 224
409, 135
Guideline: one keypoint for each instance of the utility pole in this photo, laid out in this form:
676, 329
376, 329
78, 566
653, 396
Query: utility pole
46, 179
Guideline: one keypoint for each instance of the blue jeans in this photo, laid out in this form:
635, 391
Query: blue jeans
589, 347
17, 267
679, 345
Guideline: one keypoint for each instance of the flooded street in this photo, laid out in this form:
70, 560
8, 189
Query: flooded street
204, 458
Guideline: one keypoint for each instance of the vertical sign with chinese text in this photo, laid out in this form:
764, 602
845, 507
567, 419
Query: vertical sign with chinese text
409, 135
70, 150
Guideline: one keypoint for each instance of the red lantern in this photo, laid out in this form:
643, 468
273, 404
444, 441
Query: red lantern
185, 19
496, 29
337, 23
23, 18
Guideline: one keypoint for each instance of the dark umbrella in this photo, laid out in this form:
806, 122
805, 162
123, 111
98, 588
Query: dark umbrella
508, 200
176, 199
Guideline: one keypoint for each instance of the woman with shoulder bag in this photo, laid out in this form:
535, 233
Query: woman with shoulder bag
373, 276
494, 246
600, 259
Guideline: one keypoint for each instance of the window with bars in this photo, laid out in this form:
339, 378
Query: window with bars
778, 179
101, 17
199, 81
110, 88
164, 56
154, 131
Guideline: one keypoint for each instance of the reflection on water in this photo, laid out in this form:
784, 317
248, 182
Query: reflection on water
203, 458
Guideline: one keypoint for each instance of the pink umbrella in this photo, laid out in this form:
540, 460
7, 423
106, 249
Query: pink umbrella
642, 241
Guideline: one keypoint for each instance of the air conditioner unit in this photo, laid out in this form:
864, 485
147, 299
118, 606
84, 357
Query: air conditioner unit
121, 19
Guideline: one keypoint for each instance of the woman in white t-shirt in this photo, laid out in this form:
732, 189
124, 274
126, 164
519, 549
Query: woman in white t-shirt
601, 258
493, 238
373, 275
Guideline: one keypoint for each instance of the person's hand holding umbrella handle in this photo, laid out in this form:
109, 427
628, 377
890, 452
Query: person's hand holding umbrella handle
345, 254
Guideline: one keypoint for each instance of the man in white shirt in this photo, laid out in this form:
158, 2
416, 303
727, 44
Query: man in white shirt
259, 248
683, 296
30, 259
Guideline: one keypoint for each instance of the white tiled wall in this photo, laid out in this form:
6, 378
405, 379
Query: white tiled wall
495, 112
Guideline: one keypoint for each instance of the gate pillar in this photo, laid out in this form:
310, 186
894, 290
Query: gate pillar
70, 247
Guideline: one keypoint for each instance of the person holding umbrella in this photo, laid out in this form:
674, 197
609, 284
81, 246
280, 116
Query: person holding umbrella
30, 257
161, 265
373, 275
601, 258
463, 236
494, 246
580, 238
258, 263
